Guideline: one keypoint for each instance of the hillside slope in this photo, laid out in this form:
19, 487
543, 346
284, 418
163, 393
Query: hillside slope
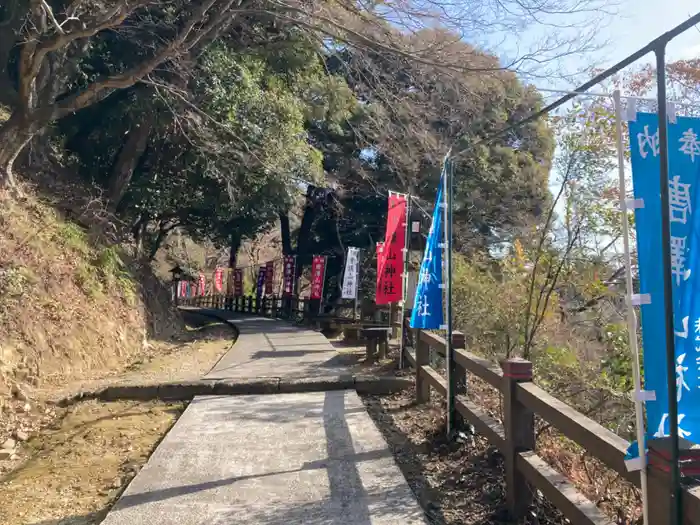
68, 309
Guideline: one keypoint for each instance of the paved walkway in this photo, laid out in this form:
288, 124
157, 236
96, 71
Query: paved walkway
312, 459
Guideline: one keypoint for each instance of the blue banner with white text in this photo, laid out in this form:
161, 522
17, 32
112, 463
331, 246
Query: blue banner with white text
684, 215
427, 311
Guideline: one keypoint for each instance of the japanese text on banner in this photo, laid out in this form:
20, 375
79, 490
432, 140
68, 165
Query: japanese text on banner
318, 273
427, 310
390, 266
684, 166
351, 273
289, 272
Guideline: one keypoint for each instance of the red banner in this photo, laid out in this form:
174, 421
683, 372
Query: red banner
238, 282
269, 271
289, 271
390, 264
183, 289
219, 279
318, 275
202, 285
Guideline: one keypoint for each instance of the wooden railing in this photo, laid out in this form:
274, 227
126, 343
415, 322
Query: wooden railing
298, 309
515, 437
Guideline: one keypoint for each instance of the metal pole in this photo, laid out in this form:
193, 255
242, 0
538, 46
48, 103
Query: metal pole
447, 190
676, 509
631, 313
404, 284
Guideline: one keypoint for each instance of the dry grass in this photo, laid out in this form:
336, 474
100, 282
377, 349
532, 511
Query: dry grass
78, 468
67, 306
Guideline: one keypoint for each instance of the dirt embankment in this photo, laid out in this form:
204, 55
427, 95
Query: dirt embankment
69, 307
76, 314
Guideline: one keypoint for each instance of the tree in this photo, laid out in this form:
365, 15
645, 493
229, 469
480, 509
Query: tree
45, 42
410, 118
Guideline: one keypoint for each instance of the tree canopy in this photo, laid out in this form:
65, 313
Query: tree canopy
214, 116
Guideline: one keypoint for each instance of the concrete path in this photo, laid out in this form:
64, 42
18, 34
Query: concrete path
312, 459
270, 348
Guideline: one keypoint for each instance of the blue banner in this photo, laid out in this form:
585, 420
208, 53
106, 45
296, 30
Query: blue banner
427, 308
684, 214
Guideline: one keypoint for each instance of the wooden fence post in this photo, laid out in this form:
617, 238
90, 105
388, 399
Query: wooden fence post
273, 312
519, 423
422, 358
460, 374
393, 319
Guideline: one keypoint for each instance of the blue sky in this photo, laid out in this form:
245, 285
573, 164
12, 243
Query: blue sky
643, 20
637, 23
640, 21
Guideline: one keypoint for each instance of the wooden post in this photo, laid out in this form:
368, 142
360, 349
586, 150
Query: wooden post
659, 483
273, 313
393, 319
383, 345
460, 375
250, 304
422, 358
519, 423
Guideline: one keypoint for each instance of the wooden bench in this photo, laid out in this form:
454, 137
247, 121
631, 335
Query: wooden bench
377, 342
352, 330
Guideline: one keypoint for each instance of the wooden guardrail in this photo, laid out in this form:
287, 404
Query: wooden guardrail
515, 437
299, 309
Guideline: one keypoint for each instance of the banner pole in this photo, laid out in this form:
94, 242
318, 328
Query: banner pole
676, 506
631, 313
447, 190
404, 284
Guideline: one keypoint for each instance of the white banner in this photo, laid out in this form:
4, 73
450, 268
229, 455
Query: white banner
350, 277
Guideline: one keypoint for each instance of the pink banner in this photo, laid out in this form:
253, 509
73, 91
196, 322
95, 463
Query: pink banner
219, 279
318, 274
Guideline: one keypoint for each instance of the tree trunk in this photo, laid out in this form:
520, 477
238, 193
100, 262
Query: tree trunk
126, 161
15, 134
233, 250
163, 231
138, 230
286, 234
